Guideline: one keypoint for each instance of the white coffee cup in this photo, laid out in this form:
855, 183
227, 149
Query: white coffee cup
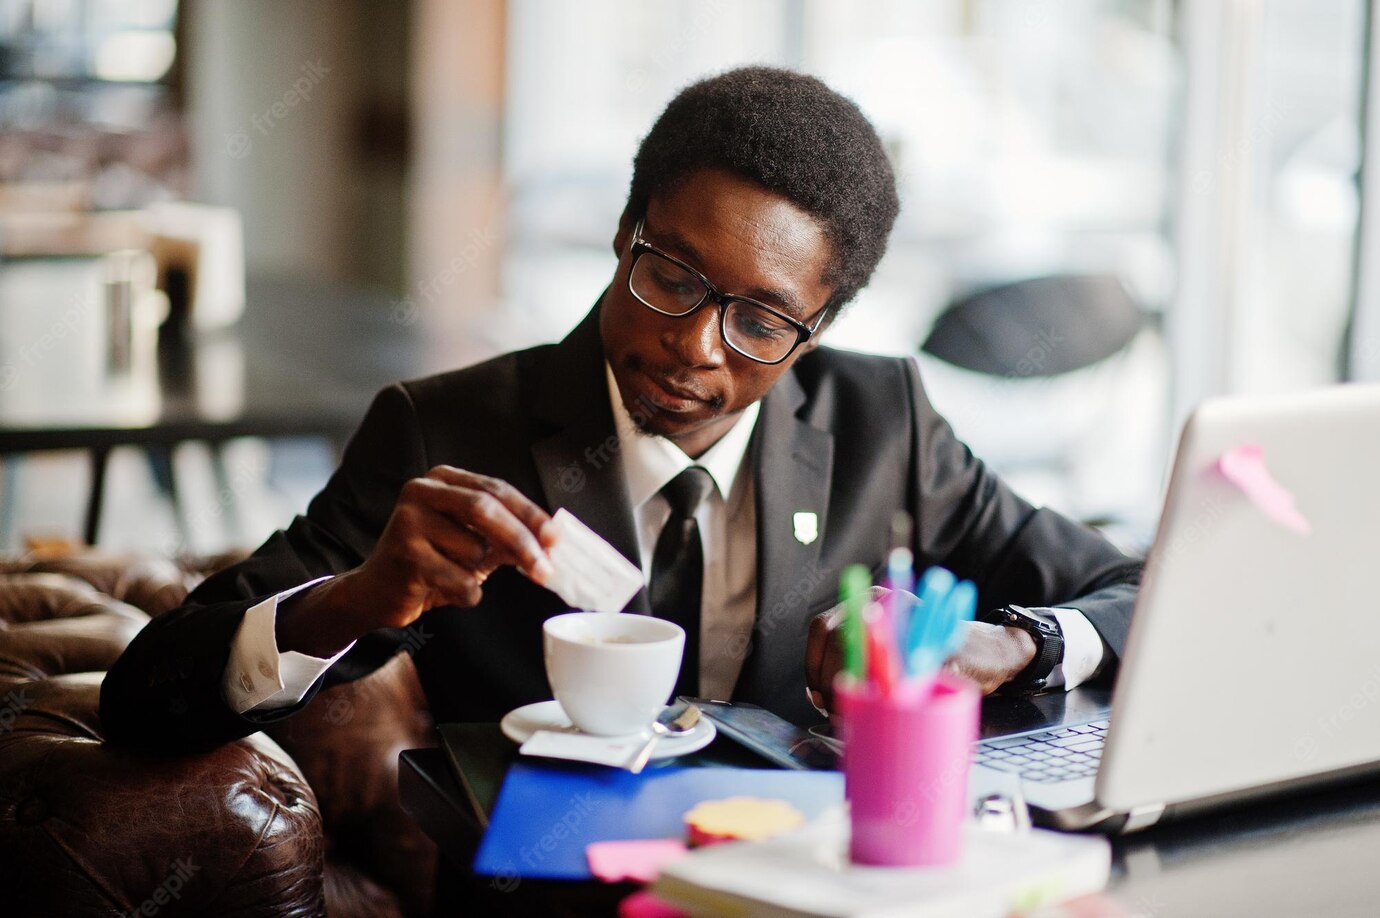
612, 672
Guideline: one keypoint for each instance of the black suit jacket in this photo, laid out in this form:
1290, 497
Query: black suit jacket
851, 438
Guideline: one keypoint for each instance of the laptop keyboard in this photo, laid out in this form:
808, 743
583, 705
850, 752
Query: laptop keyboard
1065, 754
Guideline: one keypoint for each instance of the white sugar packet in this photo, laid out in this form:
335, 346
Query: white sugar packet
581, 747
590, 573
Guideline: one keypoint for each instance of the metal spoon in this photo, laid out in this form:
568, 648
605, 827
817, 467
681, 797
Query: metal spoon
674, 721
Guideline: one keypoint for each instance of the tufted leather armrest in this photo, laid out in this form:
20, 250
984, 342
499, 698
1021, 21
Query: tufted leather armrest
92, 829
99, 829
154, 585
52, 624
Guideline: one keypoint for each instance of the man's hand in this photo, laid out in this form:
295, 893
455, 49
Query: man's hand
449, 530
824, 656
991, 655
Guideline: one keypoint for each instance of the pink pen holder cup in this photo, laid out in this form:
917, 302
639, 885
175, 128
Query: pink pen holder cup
905, 763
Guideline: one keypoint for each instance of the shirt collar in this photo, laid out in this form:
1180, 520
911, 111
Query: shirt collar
650, 462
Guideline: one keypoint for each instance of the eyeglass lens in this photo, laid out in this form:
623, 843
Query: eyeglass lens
667, 287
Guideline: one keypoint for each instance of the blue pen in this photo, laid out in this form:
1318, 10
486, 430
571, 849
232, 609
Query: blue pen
960, 606
900, 578
921, 635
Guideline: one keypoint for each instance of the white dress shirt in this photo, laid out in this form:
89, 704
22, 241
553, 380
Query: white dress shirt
258, 677
727, 517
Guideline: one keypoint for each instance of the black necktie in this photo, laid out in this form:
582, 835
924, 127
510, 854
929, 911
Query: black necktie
678, 569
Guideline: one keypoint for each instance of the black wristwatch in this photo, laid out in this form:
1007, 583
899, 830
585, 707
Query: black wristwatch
1049, 648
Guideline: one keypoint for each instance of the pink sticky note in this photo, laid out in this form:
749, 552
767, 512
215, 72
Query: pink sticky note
643, 904
638, 860
1244, 466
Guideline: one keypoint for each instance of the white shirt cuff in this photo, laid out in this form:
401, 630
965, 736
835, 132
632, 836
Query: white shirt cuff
1083, 649
260, 678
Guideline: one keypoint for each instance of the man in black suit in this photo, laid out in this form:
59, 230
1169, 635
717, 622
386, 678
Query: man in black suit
761, 202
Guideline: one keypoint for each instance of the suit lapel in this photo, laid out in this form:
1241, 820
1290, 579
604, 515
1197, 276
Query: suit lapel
792, 467
577, 456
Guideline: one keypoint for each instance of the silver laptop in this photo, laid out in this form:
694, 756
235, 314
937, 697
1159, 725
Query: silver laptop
1253, 662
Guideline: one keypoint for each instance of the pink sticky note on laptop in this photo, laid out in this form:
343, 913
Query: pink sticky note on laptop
638, 860
1244, 466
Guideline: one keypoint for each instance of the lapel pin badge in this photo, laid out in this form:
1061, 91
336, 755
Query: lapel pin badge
806, 524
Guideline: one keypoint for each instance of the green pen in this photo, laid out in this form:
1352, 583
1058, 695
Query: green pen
854, 588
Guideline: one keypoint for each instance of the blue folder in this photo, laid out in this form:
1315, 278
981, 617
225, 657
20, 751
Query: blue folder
546, 815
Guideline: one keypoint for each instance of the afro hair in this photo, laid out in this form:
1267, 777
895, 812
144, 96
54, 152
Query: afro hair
794, 136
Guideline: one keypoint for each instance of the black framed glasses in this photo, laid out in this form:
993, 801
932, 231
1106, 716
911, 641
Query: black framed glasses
665, 284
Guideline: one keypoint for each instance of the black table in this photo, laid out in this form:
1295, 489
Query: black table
1310, 854
304, 360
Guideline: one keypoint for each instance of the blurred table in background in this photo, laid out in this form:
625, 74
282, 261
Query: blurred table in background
305, 360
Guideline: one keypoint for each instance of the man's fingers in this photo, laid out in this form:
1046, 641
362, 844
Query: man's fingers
456, 544
528, 513
823, 659
447, 582
817, 642
833, 662
487, 516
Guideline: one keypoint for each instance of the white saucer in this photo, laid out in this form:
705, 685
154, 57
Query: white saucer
519, 725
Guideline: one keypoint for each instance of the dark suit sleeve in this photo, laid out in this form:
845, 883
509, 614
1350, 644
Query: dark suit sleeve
969, 521
165, 690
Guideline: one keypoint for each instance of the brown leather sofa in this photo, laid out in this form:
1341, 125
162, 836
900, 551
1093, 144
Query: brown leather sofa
302, 822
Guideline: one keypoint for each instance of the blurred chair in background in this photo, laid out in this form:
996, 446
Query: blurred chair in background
1039, 327
1049, 379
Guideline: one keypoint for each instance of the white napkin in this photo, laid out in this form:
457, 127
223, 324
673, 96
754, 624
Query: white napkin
590, 573
581, 747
